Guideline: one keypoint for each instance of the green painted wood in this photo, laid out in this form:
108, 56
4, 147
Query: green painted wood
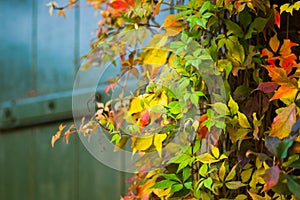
15, 49
54, 168
16, 161
37, 65
95, 176
55, 50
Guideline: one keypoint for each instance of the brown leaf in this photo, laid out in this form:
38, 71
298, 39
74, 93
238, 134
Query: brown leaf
283, 122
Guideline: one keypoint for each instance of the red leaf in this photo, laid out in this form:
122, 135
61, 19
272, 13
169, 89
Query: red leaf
287, 62
277, 18
202, 130
144, 117
271, 177
109, 87
121, 5
267, 87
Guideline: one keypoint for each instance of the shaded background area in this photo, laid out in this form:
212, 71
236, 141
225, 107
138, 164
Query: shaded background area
38, 62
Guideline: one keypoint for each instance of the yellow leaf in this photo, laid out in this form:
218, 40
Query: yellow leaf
156, 57
215, 151
163, 100
283, 122
206, 158
136, 106
243, 121
246, 175
222, 172
141, 143
158, 140
121, 144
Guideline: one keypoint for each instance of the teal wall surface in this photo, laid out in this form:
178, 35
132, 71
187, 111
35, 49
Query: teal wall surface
38, 62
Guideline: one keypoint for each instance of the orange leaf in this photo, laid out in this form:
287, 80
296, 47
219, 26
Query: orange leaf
61, 12
287, 62
285, 49
278, 75
171, 22
284, 92
157, 8
283, 122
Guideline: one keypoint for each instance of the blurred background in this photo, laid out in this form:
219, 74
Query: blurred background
39, 58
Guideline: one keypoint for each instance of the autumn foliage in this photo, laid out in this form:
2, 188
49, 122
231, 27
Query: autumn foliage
216, 75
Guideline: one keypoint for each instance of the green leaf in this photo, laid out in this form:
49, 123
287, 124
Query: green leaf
231, 174
164, 184
176, 188
173, 177
296, 164
208, 182
283, 148
292, 160
174, 107
188, 185
220, 108
180, 158
234, 28
233, 185
203, 170
240, 197
293, 184
186, 173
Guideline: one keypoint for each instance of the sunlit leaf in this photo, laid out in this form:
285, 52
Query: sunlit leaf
141, 143
243, 121
135, 106
158, 140
283, 122
234, 107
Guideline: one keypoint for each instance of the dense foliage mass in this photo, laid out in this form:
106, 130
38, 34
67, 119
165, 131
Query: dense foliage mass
220, 77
